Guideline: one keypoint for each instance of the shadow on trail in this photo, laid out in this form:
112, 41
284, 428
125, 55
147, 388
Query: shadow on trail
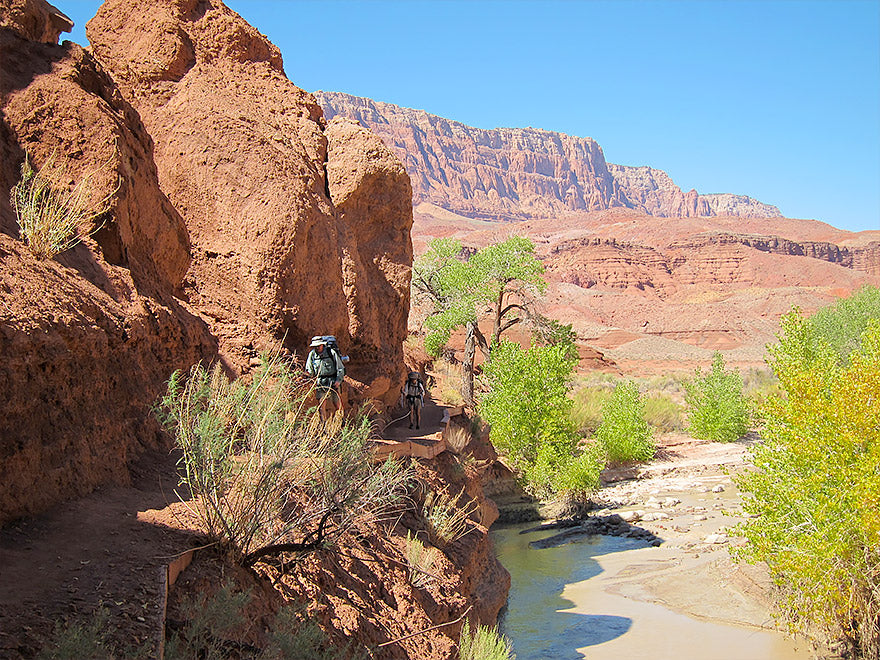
532, 619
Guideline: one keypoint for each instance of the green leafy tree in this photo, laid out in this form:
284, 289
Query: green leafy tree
527, 406
718, 410
815, 492
511, 275
459, 287
623, 434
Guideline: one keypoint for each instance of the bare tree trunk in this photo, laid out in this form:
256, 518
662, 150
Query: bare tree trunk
496, 326
467, 366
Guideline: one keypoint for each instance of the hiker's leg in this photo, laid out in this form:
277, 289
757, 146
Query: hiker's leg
417, 409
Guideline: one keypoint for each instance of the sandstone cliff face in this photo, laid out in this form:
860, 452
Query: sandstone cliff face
517, 174
371, 192
240, 153
35, 20
87, 340
291, 236
503, 174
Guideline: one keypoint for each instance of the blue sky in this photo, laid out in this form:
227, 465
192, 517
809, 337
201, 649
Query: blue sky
775, 99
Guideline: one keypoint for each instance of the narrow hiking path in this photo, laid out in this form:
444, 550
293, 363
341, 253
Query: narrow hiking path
431, 423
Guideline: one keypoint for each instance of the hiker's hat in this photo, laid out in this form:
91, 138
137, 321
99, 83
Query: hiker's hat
317, 340
413, 375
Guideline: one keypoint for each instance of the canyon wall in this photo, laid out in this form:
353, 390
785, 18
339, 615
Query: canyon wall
522, 173
88, 339
238, 222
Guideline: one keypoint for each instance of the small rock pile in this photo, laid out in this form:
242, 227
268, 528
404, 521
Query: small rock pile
610, 525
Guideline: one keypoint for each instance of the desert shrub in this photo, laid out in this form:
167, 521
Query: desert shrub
420, 559
292, 638
717, 409
624, 435
815, 490
663, 413
216, 624
483, 643
268, 476
446, 518
212, 622
87, 636
526, 403
51, 216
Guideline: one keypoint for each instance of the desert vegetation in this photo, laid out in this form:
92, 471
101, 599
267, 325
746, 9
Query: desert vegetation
52, 216
526, 403
483, 643
624, 434
266, 474
717, 407
458, 287
815, 489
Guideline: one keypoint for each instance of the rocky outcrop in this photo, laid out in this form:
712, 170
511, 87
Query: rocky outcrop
292, 236
87, 340
34, 20
522, 173
739, 205
371, 192
240, 152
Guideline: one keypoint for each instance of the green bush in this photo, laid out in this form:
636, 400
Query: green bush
624, 435
483, 644
267, 475
842, 325
51, 216
717, 409
526, 403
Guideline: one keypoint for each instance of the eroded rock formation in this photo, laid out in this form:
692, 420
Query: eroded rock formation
292, 236
87, 340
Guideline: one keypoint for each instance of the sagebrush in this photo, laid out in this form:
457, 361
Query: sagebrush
266, 474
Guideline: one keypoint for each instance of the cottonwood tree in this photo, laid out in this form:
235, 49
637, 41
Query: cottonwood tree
459, 286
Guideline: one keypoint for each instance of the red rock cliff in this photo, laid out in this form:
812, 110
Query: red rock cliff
278, 248
87, 340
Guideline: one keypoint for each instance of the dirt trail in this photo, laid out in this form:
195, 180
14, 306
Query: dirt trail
105, 550
431, 426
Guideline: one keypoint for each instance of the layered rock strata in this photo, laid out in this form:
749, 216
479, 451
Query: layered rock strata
523, 173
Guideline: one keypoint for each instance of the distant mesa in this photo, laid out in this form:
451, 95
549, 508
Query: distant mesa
510, 174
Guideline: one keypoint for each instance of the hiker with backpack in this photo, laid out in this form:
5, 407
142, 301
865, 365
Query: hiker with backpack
326, 365
414, 392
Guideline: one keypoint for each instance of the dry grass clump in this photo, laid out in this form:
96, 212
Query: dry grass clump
446, 520
52, 216
420, 559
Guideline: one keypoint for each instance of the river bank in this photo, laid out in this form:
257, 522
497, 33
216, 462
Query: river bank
577, 595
